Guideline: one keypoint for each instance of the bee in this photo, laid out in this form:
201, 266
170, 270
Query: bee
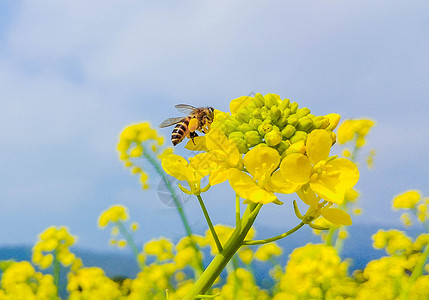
203, 115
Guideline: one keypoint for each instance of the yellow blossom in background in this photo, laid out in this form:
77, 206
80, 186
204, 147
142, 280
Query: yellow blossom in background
314, 271
20, 281
240, 284
394, 241
407, 200
140, 140
268, 251
91, 283
54, 240
354, 129
113, 214
162, 248
328, 178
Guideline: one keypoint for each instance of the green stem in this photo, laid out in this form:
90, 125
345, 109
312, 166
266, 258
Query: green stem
56, 270
221, 259
130, 241
209, 222
273, 239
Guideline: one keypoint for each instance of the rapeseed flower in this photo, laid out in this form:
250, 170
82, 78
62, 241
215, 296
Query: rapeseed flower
54, 241
329, 178
113, 214
176, 166
407, 200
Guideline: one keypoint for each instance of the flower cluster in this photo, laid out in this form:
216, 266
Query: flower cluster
412, 203
140, 140
286, 148
54, 243
315, 272
20, 281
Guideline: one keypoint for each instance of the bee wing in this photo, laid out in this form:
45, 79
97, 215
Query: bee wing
185, 108
170, 121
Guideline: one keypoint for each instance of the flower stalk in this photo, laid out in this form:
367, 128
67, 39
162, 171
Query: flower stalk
222, 258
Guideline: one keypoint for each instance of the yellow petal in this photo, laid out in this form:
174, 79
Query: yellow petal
247, 189
296, 168
177, 166
307, 196
277, 184
259, 157
217, 140
318, 145
336, 216
218, 176
238, 103
348, 172
328, 189
240, 182
200, 144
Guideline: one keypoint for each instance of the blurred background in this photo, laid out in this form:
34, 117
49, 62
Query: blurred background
73, 74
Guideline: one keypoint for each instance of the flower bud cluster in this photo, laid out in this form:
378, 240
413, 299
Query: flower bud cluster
269, 120
54, 241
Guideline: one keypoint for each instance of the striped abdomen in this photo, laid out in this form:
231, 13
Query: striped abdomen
180, 131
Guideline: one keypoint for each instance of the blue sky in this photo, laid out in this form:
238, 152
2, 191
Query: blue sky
74, 73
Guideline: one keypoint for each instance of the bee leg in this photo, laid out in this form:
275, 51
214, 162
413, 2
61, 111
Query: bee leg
192, 135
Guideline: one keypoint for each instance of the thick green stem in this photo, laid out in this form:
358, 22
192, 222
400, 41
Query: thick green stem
273, 239
209, 222
221, 259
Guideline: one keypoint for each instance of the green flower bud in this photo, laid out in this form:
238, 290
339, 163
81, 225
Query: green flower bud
255, 123
288, 131
320, 122
334, 119
292, 120
230, 125
256, 113
284, 104
236, 134
243, 115
305, 124
252, 138
264, 128
286, 112
259, 100
270, 100
282, 146
298, 136
282, 122
302, 112
275, 113
273, 138
245, 127
240, 143
293, 107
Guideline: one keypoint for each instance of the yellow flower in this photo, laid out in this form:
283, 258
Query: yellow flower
354, 129
407, 200
261, 162
267, 251
328, 177
113, 214
179, 168
162, 248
